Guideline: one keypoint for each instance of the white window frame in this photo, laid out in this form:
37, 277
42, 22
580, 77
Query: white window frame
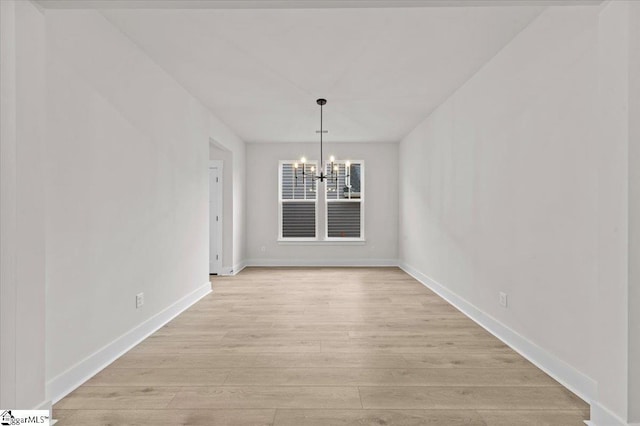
321, 201
281, 201
361, 200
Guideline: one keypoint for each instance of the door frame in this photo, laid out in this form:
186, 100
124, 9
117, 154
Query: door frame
217, 164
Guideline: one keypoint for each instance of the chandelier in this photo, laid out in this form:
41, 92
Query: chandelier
329, 172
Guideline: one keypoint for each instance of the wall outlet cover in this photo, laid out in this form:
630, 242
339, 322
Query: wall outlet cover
502, 299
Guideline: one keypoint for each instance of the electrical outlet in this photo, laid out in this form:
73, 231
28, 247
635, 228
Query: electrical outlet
502, 299
139, 300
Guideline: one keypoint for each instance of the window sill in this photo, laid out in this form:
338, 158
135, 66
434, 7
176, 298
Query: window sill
328, 242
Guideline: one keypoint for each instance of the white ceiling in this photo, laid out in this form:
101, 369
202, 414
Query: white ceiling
383, 70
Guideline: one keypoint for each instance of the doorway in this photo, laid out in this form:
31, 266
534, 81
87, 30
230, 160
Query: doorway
215, 217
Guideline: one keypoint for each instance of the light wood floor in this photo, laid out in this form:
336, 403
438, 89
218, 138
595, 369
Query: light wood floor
325, 347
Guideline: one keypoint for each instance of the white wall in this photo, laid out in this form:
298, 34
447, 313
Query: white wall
497, 186
617, 334
618, 331
127, 189
634, 212
30, 212
518, 183
611, 332
7, 203
381, 206
22, 353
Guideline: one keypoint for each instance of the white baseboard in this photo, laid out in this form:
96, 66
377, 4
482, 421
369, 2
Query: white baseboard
228, 271
322, 262
44, 405
66, 382
601, 416
47, 405
572, 379
238, 267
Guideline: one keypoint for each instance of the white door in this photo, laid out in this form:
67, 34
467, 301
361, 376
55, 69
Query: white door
215, 216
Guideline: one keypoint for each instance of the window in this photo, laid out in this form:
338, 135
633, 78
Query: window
341, 203
345, 202
298, 202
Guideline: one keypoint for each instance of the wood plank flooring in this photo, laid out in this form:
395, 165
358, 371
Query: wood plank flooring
321, 347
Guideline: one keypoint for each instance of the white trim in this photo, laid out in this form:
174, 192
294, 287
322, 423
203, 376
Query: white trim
47, 405
218, 164
44, 405
213, 142
331, 242
323, 262
226, 272
234, 270
238, 267
574, 380
601, 416
297, 240
63, 384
